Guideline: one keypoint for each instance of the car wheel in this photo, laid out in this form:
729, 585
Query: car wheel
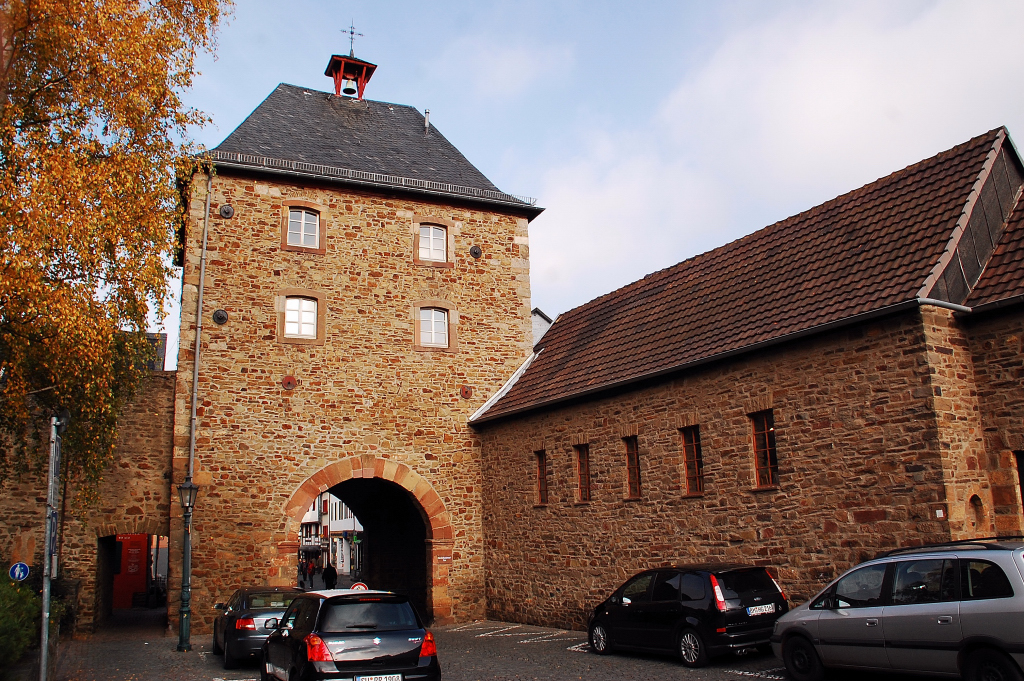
229, 660
600, 642
215, 647
990, 665
691, 649
801, 660
264, 674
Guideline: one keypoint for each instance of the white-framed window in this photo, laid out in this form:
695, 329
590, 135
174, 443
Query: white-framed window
300, 317
303, 228
433, 243
433, 327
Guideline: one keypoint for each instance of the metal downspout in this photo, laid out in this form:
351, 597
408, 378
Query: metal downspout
199, 332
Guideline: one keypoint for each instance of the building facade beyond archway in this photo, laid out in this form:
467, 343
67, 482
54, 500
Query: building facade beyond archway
435, 516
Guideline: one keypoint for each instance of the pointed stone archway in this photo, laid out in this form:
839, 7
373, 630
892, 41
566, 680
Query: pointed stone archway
430, 505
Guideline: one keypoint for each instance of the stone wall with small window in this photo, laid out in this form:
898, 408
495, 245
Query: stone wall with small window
868, 457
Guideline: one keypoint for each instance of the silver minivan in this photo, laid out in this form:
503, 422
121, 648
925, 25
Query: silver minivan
954, 609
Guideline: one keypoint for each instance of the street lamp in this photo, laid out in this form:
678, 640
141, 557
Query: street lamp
188, 491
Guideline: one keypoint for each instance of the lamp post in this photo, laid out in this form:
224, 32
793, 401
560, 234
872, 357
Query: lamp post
188, 491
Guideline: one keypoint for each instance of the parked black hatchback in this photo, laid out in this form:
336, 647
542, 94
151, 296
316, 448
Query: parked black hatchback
346, 634
695, 611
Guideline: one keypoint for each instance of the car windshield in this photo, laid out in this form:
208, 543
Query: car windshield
266, 600
735, 583
365, 615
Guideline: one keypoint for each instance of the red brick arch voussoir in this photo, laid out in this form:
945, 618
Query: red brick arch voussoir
368, 466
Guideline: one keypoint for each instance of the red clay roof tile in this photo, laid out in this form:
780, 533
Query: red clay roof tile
861, 252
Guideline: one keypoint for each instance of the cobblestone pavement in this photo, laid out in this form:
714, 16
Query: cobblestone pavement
140, 648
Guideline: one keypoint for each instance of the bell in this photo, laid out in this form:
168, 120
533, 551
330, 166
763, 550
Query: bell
349, 88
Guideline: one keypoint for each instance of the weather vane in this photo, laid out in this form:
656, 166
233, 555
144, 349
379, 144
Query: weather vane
351, 30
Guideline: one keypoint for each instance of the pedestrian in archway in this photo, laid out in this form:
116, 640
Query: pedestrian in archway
330, 576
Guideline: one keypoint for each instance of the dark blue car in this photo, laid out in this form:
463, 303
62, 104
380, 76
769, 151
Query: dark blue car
240, 629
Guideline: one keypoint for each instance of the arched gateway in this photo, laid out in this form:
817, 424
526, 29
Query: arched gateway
390, 475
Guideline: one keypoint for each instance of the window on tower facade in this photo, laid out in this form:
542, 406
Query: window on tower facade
436, 324
300, 317
303, 226
432, 241
433, 327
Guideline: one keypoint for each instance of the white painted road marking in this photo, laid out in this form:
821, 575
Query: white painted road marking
765, 674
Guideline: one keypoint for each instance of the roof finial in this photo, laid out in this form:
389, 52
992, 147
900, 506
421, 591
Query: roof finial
351, 30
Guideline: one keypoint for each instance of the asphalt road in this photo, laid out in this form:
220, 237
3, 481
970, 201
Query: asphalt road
145, 651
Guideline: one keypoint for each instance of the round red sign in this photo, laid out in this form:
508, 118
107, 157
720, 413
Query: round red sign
359, 586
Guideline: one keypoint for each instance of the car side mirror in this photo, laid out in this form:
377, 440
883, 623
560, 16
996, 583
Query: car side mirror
220, 606
271, 623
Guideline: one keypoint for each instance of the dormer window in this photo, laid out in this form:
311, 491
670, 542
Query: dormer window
303, 228
433, 243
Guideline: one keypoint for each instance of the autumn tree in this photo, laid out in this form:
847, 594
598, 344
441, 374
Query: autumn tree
93, 134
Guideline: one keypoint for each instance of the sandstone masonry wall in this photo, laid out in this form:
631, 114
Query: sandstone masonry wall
364, 394
997, 346
861, 466
134, 494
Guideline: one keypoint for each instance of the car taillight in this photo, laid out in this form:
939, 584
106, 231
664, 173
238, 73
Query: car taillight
245, 623
429, 648
778, 587
316, 649
719, 597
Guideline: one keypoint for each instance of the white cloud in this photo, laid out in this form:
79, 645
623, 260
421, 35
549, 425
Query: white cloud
781, 115
502, 69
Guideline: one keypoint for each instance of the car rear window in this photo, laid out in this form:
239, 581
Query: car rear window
735, 583
367, 615
271, 599
981, 579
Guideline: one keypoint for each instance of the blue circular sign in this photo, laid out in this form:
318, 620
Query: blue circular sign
18, 572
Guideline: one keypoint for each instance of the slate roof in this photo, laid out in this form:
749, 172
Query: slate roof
304, 125
871, 251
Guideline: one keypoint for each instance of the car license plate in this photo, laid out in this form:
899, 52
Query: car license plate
380, 677
761, 609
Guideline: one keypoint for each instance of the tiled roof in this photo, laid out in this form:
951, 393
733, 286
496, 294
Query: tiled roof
863, 252
1004, 277
300, 124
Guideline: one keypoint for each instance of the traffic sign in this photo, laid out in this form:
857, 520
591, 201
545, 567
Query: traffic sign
359, 586
18, 572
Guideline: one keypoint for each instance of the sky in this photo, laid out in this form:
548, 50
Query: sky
649, 131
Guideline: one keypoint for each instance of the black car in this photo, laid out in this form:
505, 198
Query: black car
347, 634
240, 629
695, 611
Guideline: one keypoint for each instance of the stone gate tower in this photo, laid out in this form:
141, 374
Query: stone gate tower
366, 289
